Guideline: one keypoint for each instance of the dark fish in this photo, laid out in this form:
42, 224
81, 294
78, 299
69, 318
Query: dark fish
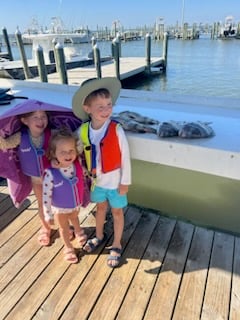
168, 129
137, 117
193, 130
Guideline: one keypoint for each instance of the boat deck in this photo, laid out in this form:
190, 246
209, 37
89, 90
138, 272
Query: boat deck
170, 270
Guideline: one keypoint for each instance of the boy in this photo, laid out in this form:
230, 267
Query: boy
107, 158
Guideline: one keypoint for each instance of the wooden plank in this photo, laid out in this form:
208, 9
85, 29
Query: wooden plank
3, 193
34, 267
235, 294
190, 296
17, 224
166, 289
141, 286
90, 289
108, 303
217, 295
34, 260
56, 301
11, 211
16, 242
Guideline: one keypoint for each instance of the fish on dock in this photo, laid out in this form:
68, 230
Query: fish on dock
134, 122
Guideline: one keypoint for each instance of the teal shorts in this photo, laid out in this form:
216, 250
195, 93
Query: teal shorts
111, 195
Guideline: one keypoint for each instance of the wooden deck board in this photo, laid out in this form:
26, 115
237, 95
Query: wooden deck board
218, 288
235, 294
129, 66
170, 270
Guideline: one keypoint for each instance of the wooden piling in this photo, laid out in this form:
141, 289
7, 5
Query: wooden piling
27, 72
6, 39
42, 70
148, 53
97, 61
115, 47
165, 49
60, 63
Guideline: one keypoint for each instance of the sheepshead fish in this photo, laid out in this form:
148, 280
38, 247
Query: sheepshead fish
138, 118
198, 129
169, 129
134, 126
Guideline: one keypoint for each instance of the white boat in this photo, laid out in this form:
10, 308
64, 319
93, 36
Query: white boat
79, 36
57, 29
193, 179
47, 43
228, 30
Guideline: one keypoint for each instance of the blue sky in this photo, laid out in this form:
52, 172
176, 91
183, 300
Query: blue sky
130, 13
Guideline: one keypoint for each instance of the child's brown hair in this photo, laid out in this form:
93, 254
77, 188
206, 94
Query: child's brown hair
61, 134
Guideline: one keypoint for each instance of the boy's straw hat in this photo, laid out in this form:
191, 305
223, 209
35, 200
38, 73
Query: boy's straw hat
112, 84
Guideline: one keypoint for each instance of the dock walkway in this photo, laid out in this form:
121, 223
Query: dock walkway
170, 270
129, 67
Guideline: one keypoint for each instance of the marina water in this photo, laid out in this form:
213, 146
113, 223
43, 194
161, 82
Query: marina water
202, 67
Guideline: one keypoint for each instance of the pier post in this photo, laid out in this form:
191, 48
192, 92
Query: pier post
97, 61
119, 44
94, 41
165, 49
27, 72
42, 70
115, 49
60, 63
148, 53
6, 39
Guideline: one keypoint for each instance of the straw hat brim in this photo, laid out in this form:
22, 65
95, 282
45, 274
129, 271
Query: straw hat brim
112, 84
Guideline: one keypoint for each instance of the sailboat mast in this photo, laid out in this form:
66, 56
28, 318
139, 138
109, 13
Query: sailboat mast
183, 9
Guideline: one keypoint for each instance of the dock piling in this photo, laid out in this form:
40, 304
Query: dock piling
165, 49
27, 72
115, 49
60, 63
148, 53
42, 70
6, 39
97, 61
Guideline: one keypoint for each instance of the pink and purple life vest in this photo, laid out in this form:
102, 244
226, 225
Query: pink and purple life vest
68, 192
33, 160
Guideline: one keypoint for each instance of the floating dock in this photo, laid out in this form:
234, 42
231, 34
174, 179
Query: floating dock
129, 67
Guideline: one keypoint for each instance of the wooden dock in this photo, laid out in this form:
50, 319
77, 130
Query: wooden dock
170, 270
129, 67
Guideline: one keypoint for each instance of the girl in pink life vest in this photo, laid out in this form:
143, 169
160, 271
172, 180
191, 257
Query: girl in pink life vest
32, 141
63, 190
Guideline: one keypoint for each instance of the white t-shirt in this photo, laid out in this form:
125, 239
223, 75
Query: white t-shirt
112, 179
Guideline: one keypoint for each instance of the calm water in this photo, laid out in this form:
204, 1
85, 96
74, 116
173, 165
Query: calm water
201, 67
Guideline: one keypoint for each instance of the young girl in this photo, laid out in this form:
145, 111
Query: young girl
32, 142
63, 190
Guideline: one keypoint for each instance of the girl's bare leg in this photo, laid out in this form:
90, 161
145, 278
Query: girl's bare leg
45, 231
79, 232
63, 224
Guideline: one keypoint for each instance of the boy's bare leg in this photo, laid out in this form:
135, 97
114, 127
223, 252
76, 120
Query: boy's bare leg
101, 218
118, 226
93, 243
